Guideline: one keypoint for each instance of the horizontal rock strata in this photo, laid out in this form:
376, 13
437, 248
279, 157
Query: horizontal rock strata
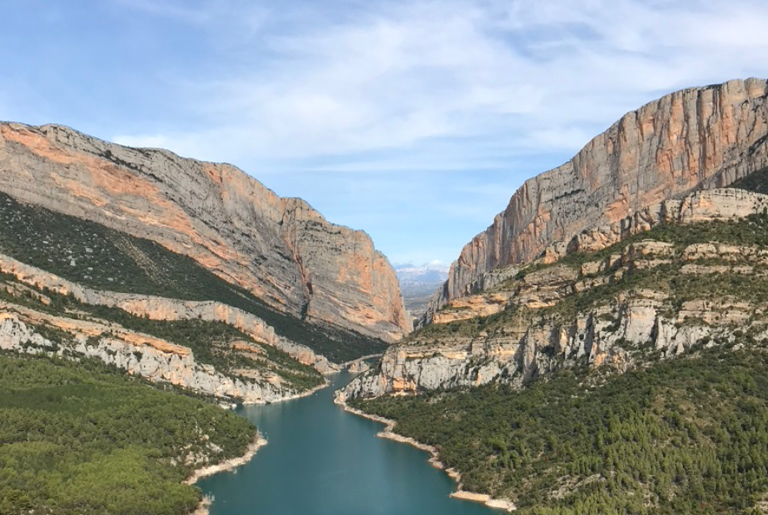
160, 308
693, 139
617, 330
281, 249
140, 354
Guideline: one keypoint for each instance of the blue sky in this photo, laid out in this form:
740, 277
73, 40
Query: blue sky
413, 120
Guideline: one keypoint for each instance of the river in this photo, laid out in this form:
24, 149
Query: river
321, 460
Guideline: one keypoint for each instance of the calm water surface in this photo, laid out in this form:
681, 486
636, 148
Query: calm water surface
321, 460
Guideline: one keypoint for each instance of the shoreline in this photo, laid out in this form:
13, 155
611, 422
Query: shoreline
293, 397
203, 507
296, 396
231, 464
434, 459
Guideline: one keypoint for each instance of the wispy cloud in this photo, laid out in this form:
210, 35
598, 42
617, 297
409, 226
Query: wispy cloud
412, 119
208, 14
540, 75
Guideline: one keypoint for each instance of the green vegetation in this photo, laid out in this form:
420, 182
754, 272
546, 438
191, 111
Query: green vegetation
210, 342
101, 258
80, 438
681, 436
668, 278
751, 230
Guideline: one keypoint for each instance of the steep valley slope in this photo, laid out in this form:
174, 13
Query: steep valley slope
693, 139
82, 438
138, 290
181, 271
542, 372
280, 250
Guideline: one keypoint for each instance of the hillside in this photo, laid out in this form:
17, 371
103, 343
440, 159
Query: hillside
85, 439
695, 278
280, 250
544, 372
115, 348
697, 138
562, 398
103, 259
680, 436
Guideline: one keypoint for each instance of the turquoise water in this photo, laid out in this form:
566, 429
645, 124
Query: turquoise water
321, 460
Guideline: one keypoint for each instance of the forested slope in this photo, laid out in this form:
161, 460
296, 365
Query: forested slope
688, 435
81, 438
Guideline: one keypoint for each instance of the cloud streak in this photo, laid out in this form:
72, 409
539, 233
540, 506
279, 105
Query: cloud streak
414, 120
542, 76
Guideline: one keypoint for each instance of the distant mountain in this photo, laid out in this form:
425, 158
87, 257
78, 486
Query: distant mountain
418, 283
430, 272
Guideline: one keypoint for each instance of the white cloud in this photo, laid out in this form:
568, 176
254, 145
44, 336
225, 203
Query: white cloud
539, 75
495, 87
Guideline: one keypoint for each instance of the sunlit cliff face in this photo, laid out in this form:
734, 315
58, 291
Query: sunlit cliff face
695, 138
280, 249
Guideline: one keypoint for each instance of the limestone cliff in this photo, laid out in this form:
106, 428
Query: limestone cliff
693, 139
281, 249
136, 353
160, 308
695, 275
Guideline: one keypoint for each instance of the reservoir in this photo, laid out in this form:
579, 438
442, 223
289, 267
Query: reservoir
321, 460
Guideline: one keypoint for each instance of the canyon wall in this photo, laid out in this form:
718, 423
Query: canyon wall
161, 308
281, 249
618, 308
693, 139
154, 359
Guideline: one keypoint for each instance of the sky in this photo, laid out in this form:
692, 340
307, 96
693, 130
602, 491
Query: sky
412, 120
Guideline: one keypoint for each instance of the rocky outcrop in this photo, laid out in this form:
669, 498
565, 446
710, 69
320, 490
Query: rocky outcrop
358, 367
281, 249
694, 139
618, 336
700, 206
140, 354
161, 308
616, 310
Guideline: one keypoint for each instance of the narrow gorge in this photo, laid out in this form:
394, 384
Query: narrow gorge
600, 348
542, 370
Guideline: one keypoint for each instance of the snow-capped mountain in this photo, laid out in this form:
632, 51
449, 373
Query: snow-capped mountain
418, 283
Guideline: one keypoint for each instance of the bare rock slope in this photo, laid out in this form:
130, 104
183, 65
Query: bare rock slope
698, 279
635, 249
693, 139
280, 249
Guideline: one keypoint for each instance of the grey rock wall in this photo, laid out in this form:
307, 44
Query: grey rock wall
693, 139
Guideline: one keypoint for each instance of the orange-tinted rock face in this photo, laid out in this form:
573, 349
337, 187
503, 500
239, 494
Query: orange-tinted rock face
692, 139
280, 249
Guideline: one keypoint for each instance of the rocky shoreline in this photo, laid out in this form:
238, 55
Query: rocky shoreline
204, 505
295, 396
434, 460
258, 442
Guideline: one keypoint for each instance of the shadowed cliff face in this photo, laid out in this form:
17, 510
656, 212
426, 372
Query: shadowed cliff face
281, 249
692, 139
